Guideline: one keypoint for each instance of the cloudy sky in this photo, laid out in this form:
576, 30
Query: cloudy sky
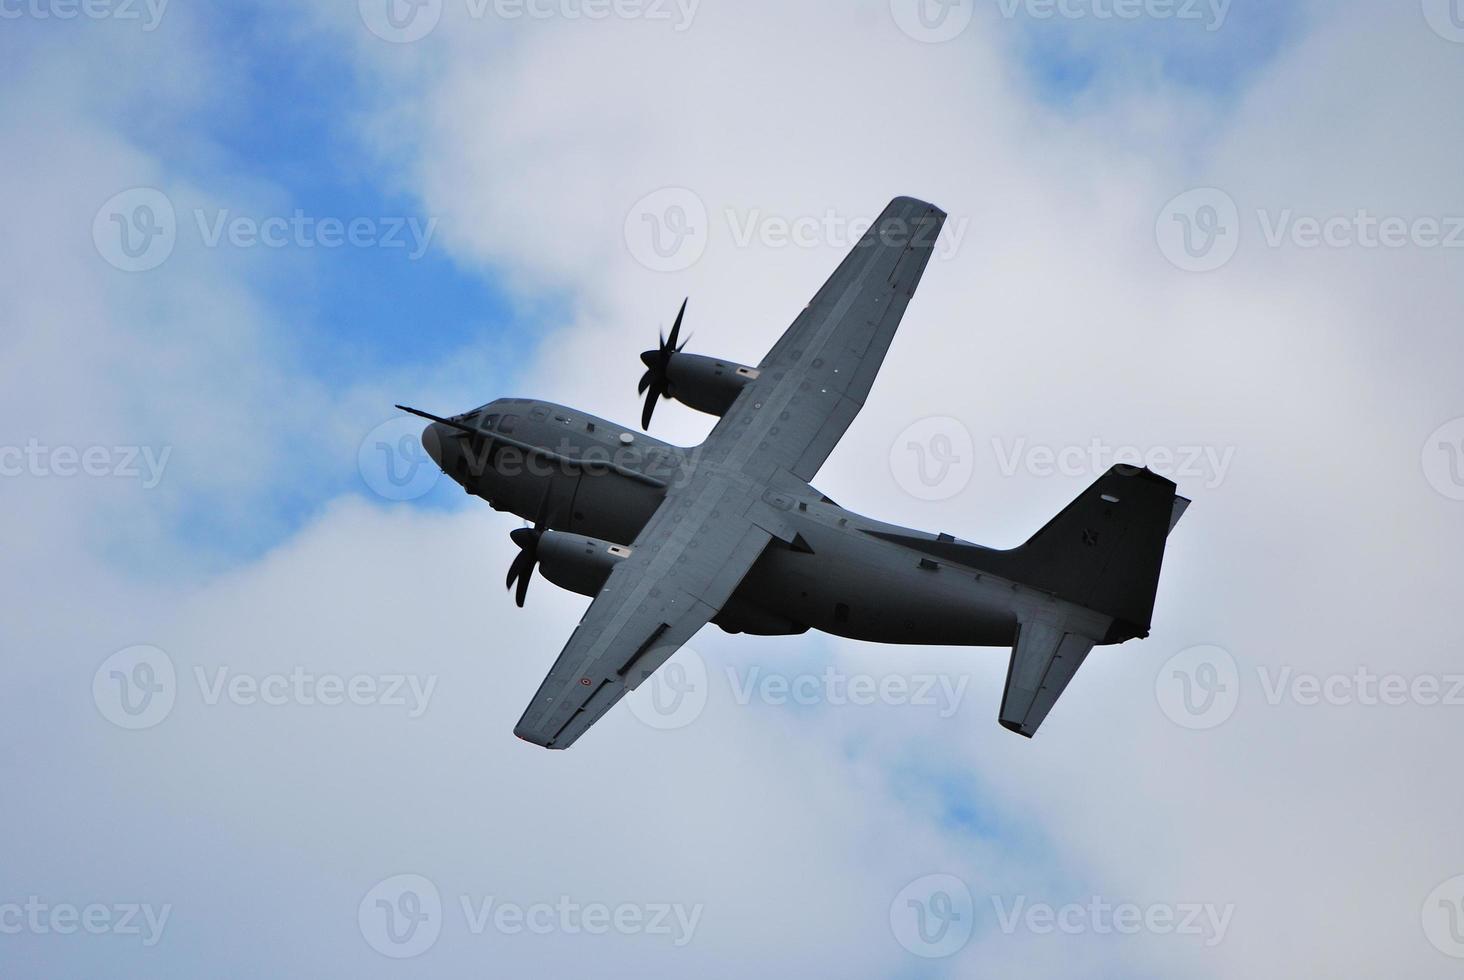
261, 669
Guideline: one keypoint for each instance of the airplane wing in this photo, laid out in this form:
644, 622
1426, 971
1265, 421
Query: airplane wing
817, 376
682, 568
708, 532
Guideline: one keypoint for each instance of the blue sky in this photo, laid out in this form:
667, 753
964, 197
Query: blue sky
1060, 320
286, 113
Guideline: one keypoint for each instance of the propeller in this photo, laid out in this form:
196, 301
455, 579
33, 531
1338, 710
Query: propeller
654, 383
522, 569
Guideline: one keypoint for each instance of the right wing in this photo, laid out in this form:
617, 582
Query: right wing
683, 566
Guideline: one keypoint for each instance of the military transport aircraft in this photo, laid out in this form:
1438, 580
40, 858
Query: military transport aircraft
667, 539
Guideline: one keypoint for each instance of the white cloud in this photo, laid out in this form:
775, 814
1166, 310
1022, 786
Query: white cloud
1058, 320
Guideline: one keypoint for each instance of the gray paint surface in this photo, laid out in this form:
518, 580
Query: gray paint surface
731, 531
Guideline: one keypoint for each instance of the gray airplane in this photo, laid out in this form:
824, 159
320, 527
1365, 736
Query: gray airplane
666, 539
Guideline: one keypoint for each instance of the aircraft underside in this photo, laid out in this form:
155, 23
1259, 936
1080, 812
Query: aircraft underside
730, 532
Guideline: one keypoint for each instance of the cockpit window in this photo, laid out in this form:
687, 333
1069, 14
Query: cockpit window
538, 414
508, 423
490, 422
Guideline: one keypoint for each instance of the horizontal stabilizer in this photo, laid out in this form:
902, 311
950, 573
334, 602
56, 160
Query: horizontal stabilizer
1044, 660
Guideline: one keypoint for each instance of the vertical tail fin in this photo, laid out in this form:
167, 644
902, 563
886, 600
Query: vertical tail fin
1103, 551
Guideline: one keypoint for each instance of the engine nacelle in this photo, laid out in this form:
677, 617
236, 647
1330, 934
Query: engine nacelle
706, 383
577, 563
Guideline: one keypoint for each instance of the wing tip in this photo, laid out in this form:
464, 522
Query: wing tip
1016, 726
905, 201
533, 738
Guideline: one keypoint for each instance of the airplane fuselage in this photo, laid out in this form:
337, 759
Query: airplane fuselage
573, 472
666, 539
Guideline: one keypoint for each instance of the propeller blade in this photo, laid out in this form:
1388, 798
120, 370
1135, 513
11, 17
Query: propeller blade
516, 568
670, 342
655, 384
522, 591
652, 396
522, 568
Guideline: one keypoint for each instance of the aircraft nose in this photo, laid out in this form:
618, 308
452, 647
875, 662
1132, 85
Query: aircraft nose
435, 441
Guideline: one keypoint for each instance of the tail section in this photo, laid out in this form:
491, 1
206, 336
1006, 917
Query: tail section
1103, 551
1090, 574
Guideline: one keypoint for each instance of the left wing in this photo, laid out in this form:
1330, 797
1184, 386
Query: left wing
816, 377
683, 567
